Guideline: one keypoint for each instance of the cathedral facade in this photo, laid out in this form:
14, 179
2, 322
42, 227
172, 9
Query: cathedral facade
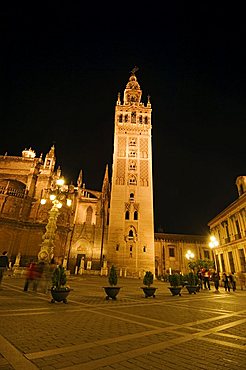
113, 225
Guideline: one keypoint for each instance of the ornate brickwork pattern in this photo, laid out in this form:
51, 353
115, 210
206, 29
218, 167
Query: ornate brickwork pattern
120, 172
143, 148
144, 176
127, 206
121, 146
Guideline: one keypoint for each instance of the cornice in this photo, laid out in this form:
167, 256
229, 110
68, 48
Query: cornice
230, 210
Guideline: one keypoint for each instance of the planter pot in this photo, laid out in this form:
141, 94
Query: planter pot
111, 291
59, 295
149, 291
175, 290
191, 289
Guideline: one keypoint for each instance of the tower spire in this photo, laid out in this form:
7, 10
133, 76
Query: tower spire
105, 186
79, 180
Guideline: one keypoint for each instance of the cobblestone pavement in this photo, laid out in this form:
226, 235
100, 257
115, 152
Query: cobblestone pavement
202, 331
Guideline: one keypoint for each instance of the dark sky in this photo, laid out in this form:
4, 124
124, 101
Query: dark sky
62, 67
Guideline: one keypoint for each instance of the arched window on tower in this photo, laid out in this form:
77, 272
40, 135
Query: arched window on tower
135, 215
120, 118
132, 141
89, 212
127, 215
130, 235
132, 166
132, 196
146, 120
132, 180
132, 153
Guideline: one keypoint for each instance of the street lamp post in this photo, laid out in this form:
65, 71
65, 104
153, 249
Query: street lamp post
57, 197
213, 244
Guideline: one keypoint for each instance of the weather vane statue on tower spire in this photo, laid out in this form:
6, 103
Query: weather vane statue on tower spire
134, 70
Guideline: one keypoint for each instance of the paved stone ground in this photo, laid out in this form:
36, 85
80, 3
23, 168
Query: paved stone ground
202, 331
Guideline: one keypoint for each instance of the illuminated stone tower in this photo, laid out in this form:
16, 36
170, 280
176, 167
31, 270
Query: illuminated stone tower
131, 224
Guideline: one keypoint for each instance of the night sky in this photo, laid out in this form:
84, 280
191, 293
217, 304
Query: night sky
62, 67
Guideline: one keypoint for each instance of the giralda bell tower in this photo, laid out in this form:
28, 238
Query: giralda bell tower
130, 244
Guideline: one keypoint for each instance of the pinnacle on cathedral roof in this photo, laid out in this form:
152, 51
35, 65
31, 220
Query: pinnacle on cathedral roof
51, 152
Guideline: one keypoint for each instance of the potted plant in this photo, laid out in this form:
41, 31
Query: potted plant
192, 280
112, 290
175, 284
59, 289
148, 290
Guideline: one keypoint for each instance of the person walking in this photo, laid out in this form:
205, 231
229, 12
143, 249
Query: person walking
4, 265
47, 275
241, 279
40, 266
232, 280
31, 275
200, 277
216, 279
206, 278
226, 282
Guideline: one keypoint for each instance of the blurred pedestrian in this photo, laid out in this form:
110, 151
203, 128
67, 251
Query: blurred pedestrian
232, 280
216, 280
39, 274
200, 277
47, 275
31, 274
206, 278
4, 264
226, 282
241, 279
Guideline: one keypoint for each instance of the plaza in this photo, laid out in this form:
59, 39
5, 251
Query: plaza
202, 331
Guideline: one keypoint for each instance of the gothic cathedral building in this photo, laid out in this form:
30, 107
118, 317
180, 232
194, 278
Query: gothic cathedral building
130, 244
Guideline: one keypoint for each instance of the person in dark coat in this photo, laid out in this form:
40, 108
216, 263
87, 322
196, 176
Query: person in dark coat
216, 279
232, 280
4, 264
226, 282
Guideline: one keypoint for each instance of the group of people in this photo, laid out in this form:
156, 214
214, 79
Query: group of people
204, 277
39, 275
229, 281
